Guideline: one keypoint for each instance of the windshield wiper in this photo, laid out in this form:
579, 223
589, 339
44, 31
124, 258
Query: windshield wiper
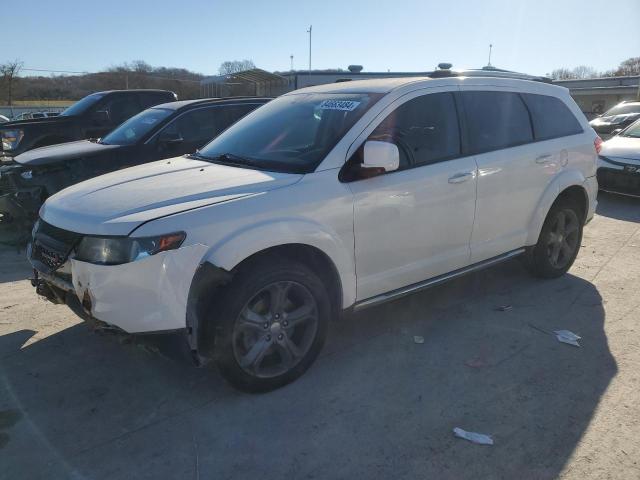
228, 159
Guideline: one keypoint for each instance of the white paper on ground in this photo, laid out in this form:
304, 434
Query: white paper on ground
418, 339
565, 336
479, 438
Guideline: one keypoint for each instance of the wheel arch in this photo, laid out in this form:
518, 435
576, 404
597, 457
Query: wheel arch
308, 244
569, 186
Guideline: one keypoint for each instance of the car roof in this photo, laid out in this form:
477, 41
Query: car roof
137, 90
210, 101
385, 85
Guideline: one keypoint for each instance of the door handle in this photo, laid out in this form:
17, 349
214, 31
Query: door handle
542, 159
461, 177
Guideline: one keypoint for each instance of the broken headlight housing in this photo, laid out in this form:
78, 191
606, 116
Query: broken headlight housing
119, 250
11, 139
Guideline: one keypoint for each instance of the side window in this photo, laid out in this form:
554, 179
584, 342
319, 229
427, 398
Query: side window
424, 128
496, 120
150, 99
228, 115
203, 124
551, 117
121, 108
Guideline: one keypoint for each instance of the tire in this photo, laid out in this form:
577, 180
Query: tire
558, 244
261, 343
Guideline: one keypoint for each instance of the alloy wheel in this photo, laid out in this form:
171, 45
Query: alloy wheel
275, 329
563, 238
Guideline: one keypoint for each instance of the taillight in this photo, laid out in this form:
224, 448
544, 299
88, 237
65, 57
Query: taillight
597, 143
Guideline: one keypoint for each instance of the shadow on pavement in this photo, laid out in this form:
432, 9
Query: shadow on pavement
375, 404
14, 265
619, 207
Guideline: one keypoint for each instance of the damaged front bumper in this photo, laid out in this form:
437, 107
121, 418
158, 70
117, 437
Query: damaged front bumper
147, 295
19, 205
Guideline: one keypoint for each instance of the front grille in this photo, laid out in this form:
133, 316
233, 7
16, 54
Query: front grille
52, 245
619, 181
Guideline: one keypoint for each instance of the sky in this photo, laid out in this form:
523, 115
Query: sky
532, 36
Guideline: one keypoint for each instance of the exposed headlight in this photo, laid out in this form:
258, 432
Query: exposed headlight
118, 250
27, 175
11, 139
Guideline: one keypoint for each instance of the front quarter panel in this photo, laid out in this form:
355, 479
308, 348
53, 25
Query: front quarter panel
316, 211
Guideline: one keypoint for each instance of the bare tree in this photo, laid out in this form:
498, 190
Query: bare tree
579, 72
9, 72
583, 71
631, 66
562, 74
235, 66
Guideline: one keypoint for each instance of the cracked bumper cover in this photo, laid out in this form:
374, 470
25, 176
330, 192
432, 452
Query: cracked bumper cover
147, 295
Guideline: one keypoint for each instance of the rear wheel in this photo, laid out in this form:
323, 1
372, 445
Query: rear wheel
558, 244
272, 325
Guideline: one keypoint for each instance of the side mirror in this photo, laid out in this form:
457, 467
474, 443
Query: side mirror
101, 117
383, 156
169, 139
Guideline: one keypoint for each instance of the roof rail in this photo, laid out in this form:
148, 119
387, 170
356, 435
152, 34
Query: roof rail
488, 71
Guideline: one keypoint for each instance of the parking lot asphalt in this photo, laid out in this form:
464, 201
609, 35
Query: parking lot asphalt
85, 404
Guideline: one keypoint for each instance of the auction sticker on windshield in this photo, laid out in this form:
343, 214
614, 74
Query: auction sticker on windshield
345, 105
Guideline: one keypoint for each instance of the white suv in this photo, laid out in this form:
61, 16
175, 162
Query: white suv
328, 198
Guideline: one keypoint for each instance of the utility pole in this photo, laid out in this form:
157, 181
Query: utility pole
309, 32
490, 48
291, 57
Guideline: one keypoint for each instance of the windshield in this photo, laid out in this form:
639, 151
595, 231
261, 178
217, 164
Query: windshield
623, 109
82, 105
632, 131
292, 133
136, 127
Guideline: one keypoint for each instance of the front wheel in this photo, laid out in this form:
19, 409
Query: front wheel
558, 244
271, 326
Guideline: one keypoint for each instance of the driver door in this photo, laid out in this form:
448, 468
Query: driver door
415, 223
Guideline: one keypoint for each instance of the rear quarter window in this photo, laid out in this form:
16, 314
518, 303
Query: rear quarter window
551, 117
496, 120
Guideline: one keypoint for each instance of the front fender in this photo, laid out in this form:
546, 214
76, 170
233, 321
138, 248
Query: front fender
564, 180
240, 245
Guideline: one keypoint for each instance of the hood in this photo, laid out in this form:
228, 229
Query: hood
36, 121
119, 202
621, 148
62, 152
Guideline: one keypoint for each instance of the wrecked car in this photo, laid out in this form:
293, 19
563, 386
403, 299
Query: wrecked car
166, 130
329, 198
91, 117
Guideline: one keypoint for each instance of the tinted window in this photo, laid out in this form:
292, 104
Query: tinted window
425, 129
551, 117
150, 99
203, 124
136, 127
120, 108
623, 109
83, 105
496, 120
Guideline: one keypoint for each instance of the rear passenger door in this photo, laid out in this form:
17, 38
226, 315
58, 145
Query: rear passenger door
513, 168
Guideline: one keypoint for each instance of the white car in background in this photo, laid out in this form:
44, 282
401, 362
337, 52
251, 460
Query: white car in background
330, 198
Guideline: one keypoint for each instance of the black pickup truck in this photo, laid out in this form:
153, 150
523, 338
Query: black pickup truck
92, 117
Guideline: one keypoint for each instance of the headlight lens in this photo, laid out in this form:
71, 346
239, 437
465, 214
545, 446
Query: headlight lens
118, 250
11, 139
